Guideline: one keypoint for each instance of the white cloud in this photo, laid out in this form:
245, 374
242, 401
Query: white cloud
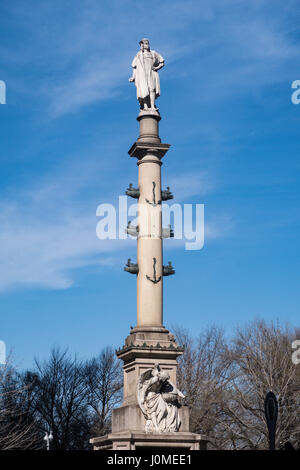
197, 183
46, 235
48, 230
84, 53
36, 252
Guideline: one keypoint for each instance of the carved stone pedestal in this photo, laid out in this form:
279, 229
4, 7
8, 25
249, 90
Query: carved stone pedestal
132, 415
131, 440
145, 347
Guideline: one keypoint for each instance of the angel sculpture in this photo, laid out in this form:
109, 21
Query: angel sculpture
158, 400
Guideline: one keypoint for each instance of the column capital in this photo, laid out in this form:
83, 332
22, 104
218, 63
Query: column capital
141, 149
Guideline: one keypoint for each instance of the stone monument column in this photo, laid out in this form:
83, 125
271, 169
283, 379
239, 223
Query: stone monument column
151, 414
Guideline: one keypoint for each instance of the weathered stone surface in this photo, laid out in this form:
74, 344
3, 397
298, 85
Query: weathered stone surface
144, 347
131, 440
132, 414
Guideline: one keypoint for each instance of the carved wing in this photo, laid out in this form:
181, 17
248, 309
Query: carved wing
141, 389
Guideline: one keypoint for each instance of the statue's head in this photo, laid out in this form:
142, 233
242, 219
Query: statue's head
144, 44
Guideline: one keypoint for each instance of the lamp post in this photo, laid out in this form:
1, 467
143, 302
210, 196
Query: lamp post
271, 413
48, 438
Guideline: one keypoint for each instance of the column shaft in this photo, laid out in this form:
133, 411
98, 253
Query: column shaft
149, 244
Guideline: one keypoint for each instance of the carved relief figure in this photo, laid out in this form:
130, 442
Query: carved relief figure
158, 400
145, 75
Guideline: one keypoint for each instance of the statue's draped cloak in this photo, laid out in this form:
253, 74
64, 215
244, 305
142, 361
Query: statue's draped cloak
157, 399
140, 75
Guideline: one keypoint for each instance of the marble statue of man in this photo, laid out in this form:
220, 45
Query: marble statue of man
145, 75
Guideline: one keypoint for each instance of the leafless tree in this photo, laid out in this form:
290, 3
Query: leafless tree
226, 383
104, 380
17, 426
260, 361
59, 400
203, 377
72, 398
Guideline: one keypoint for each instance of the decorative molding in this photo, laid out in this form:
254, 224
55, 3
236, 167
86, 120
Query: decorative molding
132, 192
168, 270
131, 268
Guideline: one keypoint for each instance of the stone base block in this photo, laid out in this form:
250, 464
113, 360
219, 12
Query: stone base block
130, 440
131, 417
128, 417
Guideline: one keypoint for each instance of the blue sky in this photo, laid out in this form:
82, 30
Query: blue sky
65, 131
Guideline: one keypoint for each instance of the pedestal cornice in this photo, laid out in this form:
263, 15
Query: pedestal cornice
132, 352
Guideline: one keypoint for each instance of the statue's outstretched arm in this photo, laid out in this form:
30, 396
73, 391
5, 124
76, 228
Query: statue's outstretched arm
175, 390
